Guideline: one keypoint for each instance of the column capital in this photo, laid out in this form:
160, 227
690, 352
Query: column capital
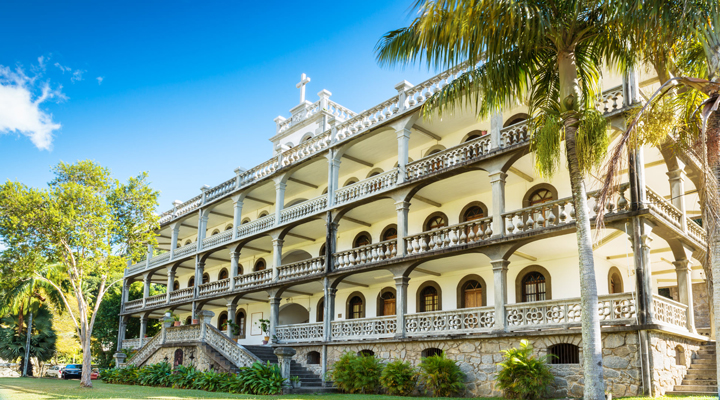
278, 242
274, 301
332, 292
497, 176
402, 205
144, 319
401, 280
682, 265
234, 254
500, 265
280, 184
677, 174
403, 133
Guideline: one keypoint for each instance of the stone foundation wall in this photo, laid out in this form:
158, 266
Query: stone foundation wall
700, 303
669, 368
478, 359
201, 360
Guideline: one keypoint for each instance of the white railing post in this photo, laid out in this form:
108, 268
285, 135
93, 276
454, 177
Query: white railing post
401, 285
500, 268
234, 256
402, 208
174, 238
402, 88
170, 283
237, 213
277, 257
496, 123
497, 181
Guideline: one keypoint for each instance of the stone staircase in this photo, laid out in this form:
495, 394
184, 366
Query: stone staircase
219, 360
701, 377
309, 381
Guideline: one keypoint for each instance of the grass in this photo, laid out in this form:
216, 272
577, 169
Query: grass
56, 389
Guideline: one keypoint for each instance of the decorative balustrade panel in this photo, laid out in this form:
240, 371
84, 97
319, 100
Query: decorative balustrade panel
514, 134
302, 268
133, 305
450, 236
131, 343
368, 119
696, 231
614, 309
364, 328
253, 175
184, 250
418, 95
306, 149
299, 333
215, 240
366, 254
156, 300
378, 183
254, 278
228, 348
146, 351
665, 208
136, 267
185, 333
611, 100
159, 259
447, 322
669, 312
181, 209
220, 190
308, 207
449, 158
211, 288
256, 226
339, 112
181, 294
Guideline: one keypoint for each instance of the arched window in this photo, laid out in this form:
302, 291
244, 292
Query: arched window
228, 227
245, 221
540, 194
533, 287
223, 274
680, 358
615, 281
178, 358
472, 213
239, 269
188, 320
206, 278
350, 181
322, 250
366, 353
356, 306
432, 351
240, 320
191, 281
429, 297
313, 358
222, 321
472, 294
389, 233
386, 302
325, 191
374, 172
187, 242
515, 119
435, 221
474, 135
259, 265
362, 239
564, 353
320, 310
176, 285
215, 232
263, 214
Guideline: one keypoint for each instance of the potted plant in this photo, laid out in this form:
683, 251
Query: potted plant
195, 321
264, 327
234, 330
295, 381
177, 320
223, 326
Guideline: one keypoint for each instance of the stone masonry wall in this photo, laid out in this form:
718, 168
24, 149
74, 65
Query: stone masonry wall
700, 303
201, 359
478, 360
668, 368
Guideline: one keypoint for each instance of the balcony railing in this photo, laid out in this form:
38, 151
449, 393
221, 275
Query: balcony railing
303, 268
480, 319
514, 134
258, 225
155, 300
449, 158
211, 288
664, 208
300, 333
450, 236
254, 278
217, 239
133, 305
367, 187
182, 294
185, 250
670, 312
376, 327
366, 254
131, 343
303, 209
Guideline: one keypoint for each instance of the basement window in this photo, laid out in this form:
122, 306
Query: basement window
564, 353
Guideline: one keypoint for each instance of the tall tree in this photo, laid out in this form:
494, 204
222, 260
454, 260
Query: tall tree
13, 341
548, 53
91, 224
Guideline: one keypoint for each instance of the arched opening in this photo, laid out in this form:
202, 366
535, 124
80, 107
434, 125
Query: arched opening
215, 232
259, 265
515, 119
533, 284
356, 306
223, 274
187, 242
434, 150
389, 233
432, 351
188, 320
325, 190
374, 172
680, 358
540, 194
429, 297
295, 256
294, 202
366, 353
264, 213
222, 321
473, 211
436, 220
320, 310
471, 292
239, 270
293, 313
191, 281
241, 321
321, 253
206, 278
307, 137
228, 227
564, 353
473, 135
362, 239
245, 221
615, 281
176, 285
178, 358
386, 302
313, 358
350, 181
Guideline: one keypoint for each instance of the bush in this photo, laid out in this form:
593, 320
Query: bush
259, 378
399, 378
183, 377
155, 375
211, 381
441, 376
523, 376
357, 374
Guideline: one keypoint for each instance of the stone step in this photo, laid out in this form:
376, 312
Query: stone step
702, 372
703, 361
691, 393
696, 388
704, 382
311, 390
704, 356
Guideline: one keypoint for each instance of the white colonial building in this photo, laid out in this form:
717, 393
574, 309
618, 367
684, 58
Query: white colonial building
389, 233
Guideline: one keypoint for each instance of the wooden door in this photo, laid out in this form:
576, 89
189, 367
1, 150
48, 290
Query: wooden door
473, 298
389, 307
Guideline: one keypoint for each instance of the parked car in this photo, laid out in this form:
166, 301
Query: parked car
55, 370
94, 374
71, 371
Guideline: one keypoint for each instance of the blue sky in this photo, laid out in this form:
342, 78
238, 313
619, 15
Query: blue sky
185, 90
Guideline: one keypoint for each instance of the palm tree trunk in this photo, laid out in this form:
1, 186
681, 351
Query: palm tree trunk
591, 337
26, 361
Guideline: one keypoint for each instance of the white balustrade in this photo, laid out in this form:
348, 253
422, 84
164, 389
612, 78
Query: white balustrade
514, 134
131, 343
366, 254
303, 209
159, 259
218, 239
302, 268
418, 95
669, 312
479, 319
133, 305
696, 231
368, 119
254, 278
232, 351
181, 294
258, 225
253, 175
211, 288
450, 236
155, 300
665, 208
617, 309
185, 250
220, 190
184, 333
150, 347
299, 333
136, 267
366, 187
181, 210
610, 100
339, 112
363, 328
449, 158
306, 149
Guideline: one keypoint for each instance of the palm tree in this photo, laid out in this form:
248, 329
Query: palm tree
13, 342
548, 53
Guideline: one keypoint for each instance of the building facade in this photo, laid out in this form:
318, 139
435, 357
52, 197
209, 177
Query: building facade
391, 233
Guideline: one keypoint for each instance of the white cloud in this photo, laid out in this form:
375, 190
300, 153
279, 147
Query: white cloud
77, 76
62, 68
20, 110
100, 79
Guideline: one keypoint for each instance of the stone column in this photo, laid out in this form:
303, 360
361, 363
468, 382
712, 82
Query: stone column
641, 239
199, 272
402, 208
174, 239
231, 310
122, 328
280, 187
496, 123
234, 256
277, 257
330, 241
170, 283
202, 227
401, 285
684, 281
323, 362
333, 176
119, 359
500, 268
285, 355
274, 316
237, 214
497, 181
143, 329
125, 291
403, 138
146, 289
149, 255
677, 193
329, 310
205, 320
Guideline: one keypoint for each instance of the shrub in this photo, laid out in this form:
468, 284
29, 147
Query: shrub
259, 378
399, 378
357, 374
183, 377
342, 373
523, 376
441, 376
155, 375
211, 381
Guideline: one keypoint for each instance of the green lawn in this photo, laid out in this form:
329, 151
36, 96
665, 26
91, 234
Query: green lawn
56, 389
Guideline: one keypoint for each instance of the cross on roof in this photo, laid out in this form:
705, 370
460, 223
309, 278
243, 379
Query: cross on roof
304, 80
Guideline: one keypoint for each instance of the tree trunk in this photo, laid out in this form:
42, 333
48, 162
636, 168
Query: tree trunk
85, 380
591, 338
26, 361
